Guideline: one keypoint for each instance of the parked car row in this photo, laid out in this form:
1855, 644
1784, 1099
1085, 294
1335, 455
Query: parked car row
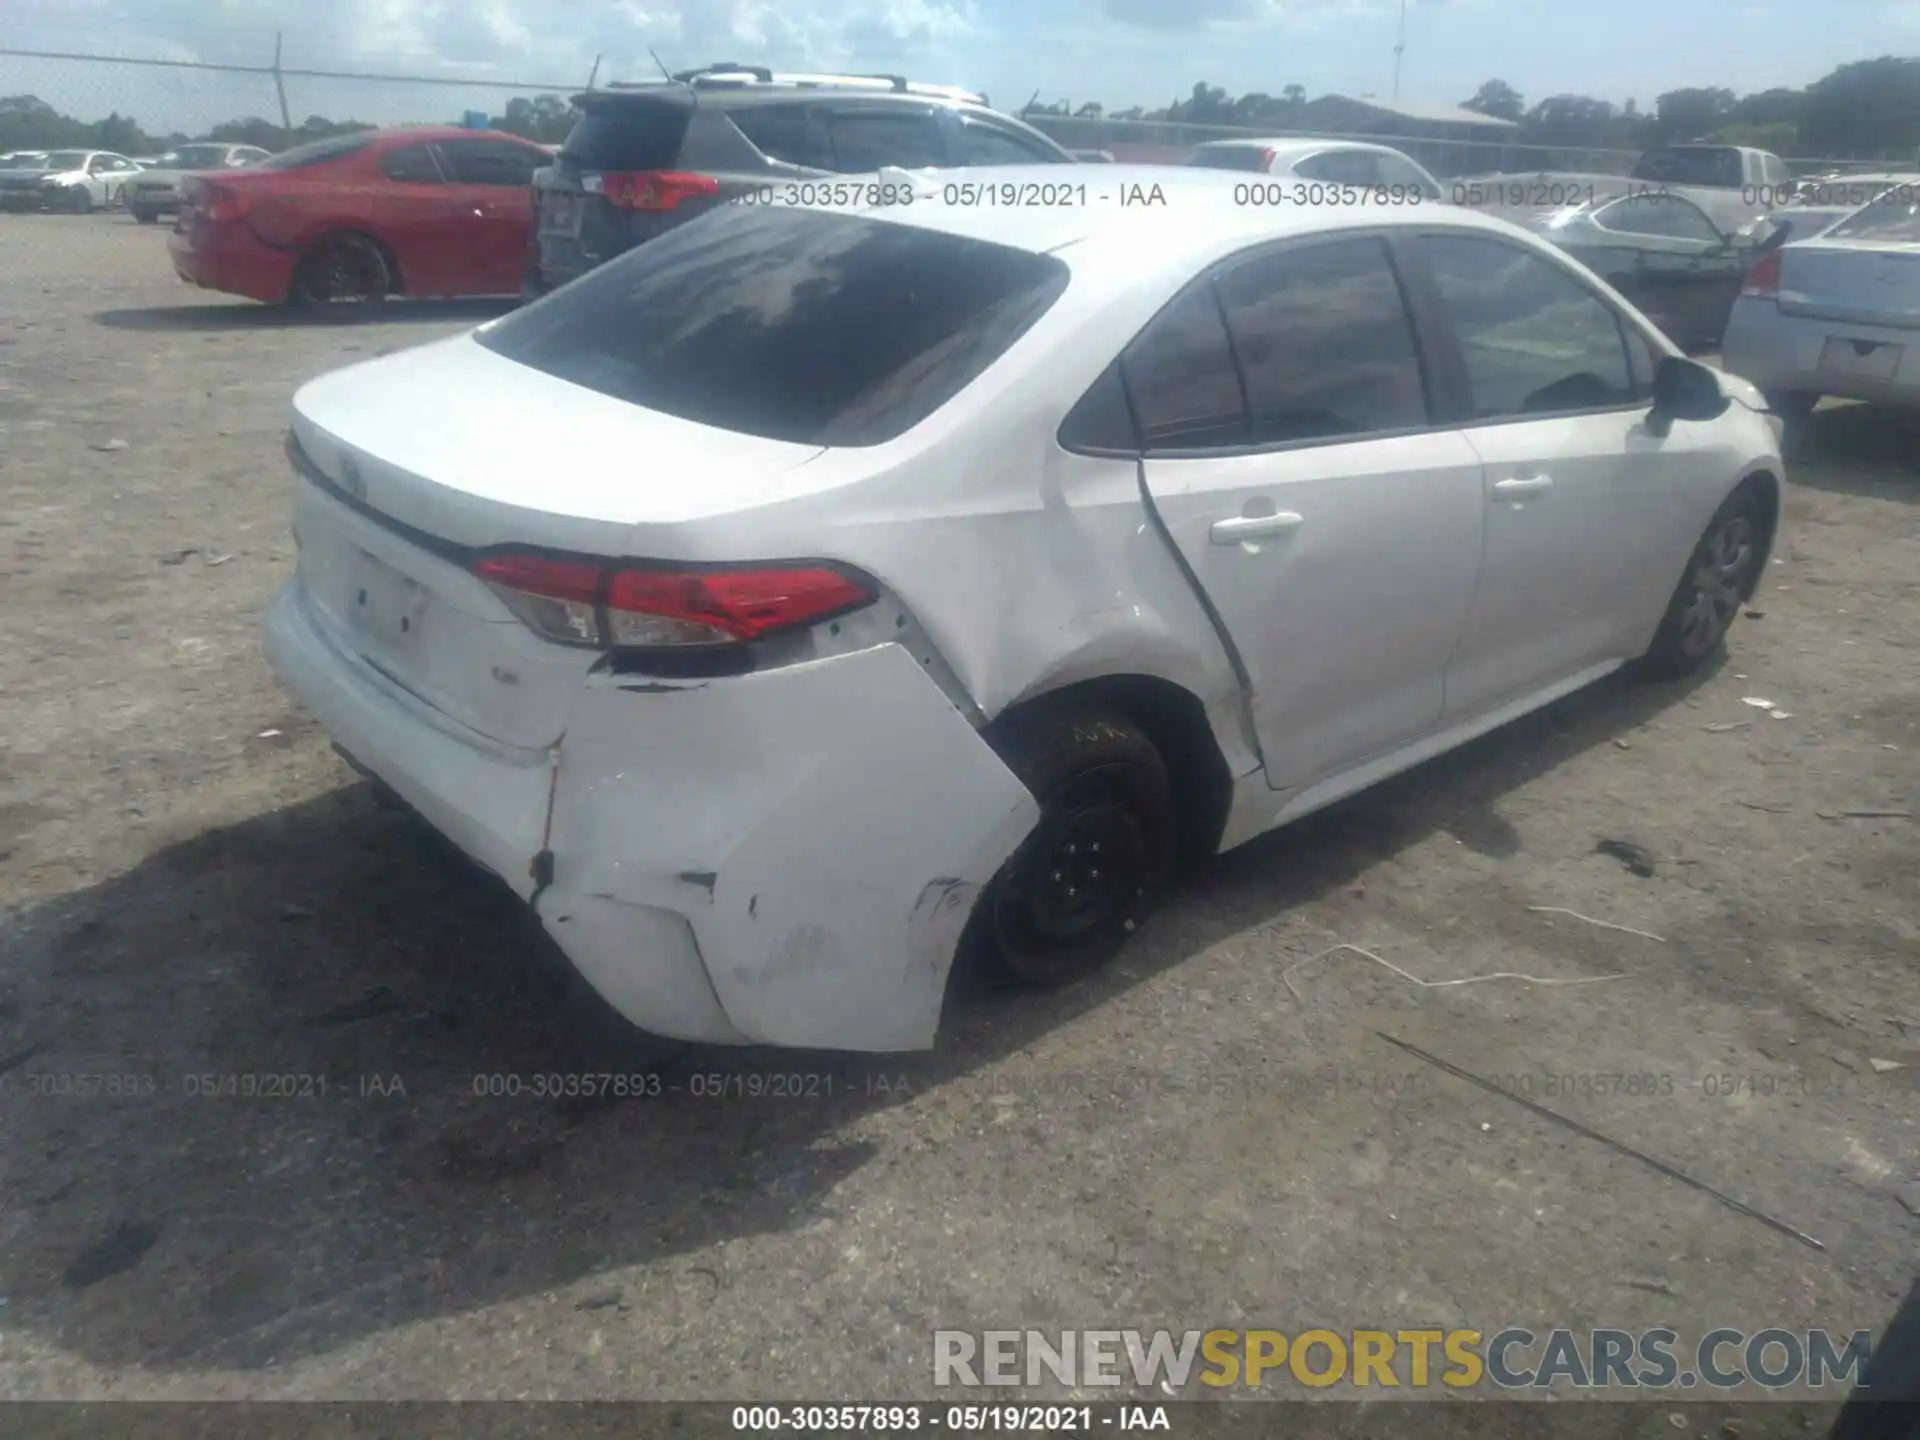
83, 180
73, 180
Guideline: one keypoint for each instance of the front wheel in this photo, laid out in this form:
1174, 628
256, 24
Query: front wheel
1721, 574
144, 215
1099, 859
79, 200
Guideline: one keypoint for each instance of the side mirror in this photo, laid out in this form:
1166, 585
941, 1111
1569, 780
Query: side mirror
1684, 390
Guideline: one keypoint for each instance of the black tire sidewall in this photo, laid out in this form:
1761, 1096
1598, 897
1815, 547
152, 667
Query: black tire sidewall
306, 299
1667, 658
1048, 752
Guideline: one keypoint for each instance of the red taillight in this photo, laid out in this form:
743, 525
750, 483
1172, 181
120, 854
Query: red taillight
217, 203
581, 602
1763, 280
656, 189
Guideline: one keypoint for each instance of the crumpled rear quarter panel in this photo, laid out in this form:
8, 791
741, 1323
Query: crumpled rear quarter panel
824, 829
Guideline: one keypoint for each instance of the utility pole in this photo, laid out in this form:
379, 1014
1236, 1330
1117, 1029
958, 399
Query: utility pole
280, 87
1399, 48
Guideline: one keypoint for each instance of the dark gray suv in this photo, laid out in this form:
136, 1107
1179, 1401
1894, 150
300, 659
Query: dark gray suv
644, 158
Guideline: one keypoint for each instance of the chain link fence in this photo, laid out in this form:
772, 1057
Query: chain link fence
138, 108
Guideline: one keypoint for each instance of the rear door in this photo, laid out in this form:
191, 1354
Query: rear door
493, 180
1291, 453
866, 137
1587, 514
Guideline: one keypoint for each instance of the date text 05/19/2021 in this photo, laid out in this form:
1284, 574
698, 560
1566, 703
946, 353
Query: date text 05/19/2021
950, 1419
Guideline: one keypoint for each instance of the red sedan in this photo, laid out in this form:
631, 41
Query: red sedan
424, 211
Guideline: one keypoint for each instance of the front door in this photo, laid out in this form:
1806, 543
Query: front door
1584, 507
416, 212
493, 181
1336, 532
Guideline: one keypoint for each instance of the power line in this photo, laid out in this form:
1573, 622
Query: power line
302, 74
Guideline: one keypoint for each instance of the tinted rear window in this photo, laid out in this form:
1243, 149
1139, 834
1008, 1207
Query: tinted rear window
1894, 216
1707, 165
318, 153
633, 136
820, 329
1229, 157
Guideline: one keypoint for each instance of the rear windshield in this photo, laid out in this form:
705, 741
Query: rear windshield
195, 157
822, 329
1894, 216
1229, 157
1707, 165
318, 153
632, 136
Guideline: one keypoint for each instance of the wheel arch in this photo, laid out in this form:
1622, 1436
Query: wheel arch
1175, 720
1766, 486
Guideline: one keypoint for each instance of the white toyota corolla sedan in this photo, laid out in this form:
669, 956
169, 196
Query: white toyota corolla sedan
811, 594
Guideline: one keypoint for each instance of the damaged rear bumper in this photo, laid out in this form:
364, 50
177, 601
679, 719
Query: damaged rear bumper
787, 857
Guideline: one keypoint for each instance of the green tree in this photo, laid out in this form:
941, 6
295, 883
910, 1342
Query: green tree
1498, 99
1868, 109
1690, 114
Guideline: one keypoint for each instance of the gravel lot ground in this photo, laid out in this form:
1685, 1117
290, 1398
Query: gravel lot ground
194, 886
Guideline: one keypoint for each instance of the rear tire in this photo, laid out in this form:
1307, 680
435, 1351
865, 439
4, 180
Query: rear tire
1721, 574
1099, 859
1791, 403
343, 277
79, 200
144, 215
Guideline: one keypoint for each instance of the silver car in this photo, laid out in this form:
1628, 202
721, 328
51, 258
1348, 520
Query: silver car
1335, 162
156, 190
1836, 314
76, 180
1678, 256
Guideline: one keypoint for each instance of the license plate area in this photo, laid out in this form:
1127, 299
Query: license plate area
1860, 357
384, 611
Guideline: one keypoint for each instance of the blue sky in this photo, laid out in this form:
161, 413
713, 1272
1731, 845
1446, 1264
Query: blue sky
1118, 52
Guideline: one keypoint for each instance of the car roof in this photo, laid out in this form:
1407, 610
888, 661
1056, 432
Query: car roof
1294, 147
1200, 215
731, 97
432, 134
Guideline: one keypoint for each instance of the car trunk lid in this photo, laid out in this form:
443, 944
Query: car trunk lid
1864, 282
414, 465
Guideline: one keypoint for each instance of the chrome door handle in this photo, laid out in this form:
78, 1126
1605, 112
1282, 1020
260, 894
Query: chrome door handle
1531, 485
1253, 527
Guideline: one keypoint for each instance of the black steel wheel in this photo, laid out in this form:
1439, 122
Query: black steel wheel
1099, 859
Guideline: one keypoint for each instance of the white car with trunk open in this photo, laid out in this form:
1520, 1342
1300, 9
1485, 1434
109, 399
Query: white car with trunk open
810, 596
